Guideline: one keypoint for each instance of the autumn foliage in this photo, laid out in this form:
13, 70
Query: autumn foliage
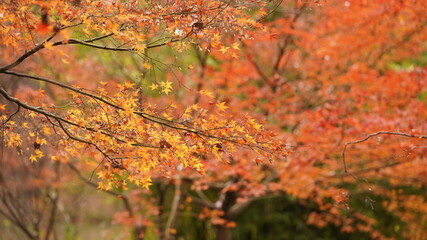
190, 112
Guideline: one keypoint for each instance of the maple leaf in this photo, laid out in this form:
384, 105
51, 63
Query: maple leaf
221, 106
47, 131
39, 154
33, 158
42, 92
236, 46
48, 45
195, 107
146, 183
224, 49
147, 65
128, 85
153, 86
206, 93
166, 87
216, 40
87, 31
140, 48
263, 12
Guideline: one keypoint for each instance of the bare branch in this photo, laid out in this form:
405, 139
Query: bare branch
373, 135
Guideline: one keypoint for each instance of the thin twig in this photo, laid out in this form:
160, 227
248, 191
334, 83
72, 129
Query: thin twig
92, 184
11, 115
373, 135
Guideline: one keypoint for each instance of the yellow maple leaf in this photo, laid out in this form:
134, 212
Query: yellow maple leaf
39, 153
254, 124
141, 48
195, 107
236, 46
33, 158
216, 36
221, 106
206, 93
198, 165
216, 40
147, 65
128, 84
86, 31
41, 141
48, 45
47, 131
224, 49
153, 86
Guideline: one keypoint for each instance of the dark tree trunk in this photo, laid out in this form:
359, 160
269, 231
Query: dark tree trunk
223, 233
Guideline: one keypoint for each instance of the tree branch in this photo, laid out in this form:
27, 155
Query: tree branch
11, 115
288, 39
94, 185
87, 43
373, 135
40, 46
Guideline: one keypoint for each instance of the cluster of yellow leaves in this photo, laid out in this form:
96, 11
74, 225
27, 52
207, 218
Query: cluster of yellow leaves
38, 154
13, 140
130, 137
163, 87
135, 140
16, 137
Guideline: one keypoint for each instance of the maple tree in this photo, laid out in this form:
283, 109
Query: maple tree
336, 85
327, 76
131, 136
126, 137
